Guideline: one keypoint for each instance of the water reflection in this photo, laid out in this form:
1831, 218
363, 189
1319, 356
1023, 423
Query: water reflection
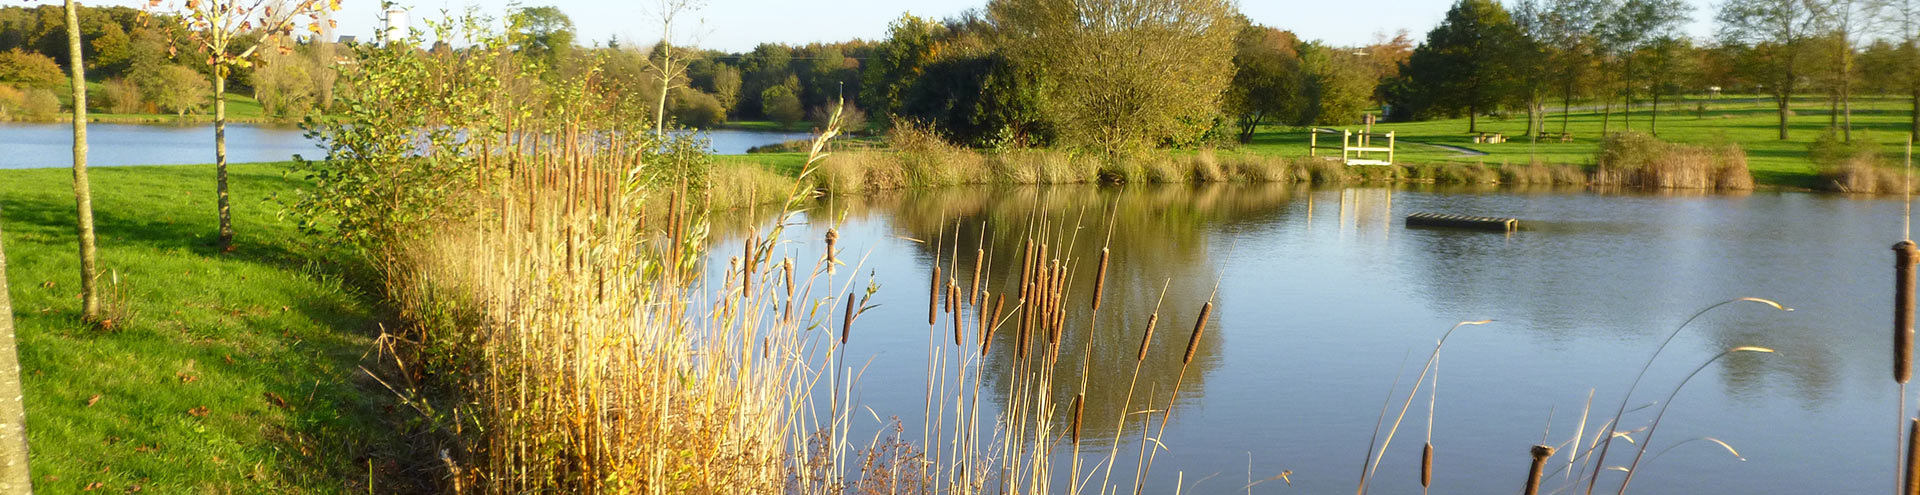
1323, 291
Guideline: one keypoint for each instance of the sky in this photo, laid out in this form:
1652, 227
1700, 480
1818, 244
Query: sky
738, 25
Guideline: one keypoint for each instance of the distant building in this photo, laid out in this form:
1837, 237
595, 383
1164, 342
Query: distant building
347, 39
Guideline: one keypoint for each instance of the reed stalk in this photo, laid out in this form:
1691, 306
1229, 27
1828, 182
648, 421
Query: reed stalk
1540, 454
1632, 467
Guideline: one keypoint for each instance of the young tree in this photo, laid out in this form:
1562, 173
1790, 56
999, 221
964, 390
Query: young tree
781, 105
1120, 75
1778, 32
82, 194
215, 27
897, 63
669, 66
1466, 64
1635, 25
1849, 19
1669, 63
726, 86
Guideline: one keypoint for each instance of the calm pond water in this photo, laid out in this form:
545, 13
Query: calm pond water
38, 145
1325, 297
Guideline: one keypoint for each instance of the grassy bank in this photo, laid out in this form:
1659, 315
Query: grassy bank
221, 373
1744, 121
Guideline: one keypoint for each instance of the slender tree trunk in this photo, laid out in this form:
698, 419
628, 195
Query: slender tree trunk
666, 81
1626, 86
1913, 115
1846, 105
1653, 123
82, 195
1566, 107
14, 475
1783, 99
220, 154
1606, 113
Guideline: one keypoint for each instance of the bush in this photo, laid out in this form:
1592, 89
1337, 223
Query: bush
121, 96
40, 104
693, 108
10, 101
780, 105
852, 119
179, 89
1638, 160
30, 70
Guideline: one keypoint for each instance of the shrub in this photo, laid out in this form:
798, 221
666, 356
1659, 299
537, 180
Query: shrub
10, 101
1638, 160
40, 104
179, 89
29, 70
696, 109
780, 105
121, 96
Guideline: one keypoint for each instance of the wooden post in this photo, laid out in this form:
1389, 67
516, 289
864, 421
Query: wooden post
1313, 142
1390, 147
1346, 143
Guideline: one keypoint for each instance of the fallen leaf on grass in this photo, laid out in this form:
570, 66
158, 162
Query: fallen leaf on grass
198, 411
186, 378
277, 400
93, 400
48, 284
93, 485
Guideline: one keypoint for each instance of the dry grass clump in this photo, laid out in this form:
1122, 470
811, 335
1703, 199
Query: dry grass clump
1639, 160
743, 184
1865, 175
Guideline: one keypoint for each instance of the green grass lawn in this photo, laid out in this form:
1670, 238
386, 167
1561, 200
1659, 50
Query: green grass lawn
234, 372
1752, 125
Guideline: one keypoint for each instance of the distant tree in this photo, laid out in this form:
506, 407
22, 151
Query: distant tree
1120, 75
541, 34
323, 68
1634, 26
179, 89
1567, 34
780, 105
726, 86
1266, 80
112, 51
1337, 85
228, 33
982, 100
283, 83
1777, 31
897, 64
1465, 66
29, 69
1385, 56
1669, 64
766, 66
1849, 20
40, 103
1903, 16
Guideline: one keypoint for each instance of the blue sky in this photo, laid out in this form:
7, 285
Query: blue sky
737, 25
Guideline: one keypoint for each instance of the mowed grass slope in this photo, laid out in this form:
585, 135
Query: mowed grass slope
1747, 121
235, 372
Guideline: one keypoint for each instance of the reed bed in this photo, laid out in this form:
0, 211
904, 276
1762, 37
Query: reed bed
1639, 160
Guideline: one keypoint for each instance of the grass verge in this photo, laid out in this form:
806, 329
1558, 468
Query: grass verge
222, 373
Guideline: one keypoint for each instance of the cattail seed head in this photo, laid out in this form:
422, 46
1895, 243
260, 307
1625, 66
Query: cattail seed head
833, 236
1100, 279
1079, 406
933, 297
953, 304
1426, 465
846, 324
1199, 327
1148, 338
989, 327
979, 258
1540, 455
1906, 256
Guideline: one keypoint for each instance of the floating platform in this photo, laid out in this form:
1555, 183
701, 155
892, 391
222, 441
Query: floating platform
1451, 221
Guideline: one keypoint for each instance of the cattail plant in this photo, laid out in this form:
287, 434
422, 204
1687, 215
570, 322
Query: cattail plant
1906, 257
1100, 279
933, 295
1910, 485
1540, 454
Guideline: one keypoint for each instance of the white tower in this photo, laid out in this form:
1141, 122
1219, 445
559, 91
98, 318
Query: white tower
396, 26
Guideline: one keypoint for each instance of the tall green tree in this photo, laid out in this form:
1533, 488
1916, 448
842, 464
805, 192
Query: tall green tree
1466, 64
1904, 17
1777, 31
1668, 64
897, 63
542, 34
1266, 79
1120, 75
217, 27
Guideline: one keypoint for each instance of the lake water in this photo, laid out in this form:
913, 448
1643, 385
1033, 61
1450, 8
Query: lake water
1325, 298
39, 145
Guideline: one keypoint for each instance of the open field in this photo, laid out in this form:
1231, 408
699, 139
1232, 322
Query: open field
221, 373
